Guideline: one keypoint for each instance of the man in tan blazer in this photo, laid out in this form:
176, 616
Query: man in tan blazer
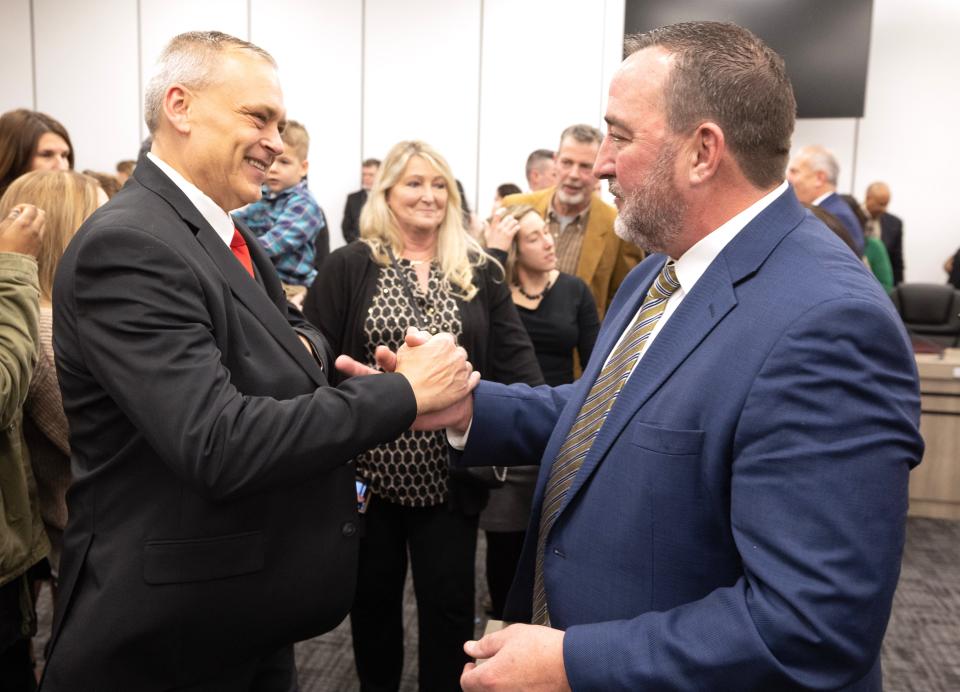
581, 222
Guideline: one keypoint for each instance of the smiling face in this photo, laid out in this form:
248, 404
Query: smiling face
536, 251
52, 154
418, 199
639, 155
234, 128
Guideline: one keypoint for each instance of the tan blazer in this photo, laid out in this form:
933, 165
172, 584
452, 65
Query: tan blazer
605, 259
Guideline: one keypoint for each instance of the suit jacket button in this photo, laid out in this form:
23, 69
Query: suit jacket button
348, 529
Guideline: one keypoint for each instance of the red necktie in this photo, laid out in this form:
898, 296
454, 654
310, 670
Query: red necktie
239, 247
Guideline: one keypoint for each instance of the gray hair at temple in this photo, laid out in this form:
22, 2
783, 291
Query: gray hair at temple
585, 134
725, 74
190, 59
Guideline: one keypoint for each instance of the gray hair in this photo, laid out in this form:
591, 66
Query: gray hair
585, 134
820, 158
190, 59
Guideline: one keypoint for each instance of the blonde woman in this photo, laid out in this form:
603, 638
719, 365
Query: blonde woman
68, 198
417, 266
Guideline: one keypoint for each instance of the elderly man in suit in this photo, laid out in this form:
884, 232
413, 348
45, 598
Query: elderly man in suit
813, 173
581, 222
723, 494
213, 512
885, 226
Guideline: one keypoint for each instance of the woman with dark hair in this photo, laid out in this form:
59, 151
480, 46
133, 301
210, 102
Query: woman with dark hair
415, 265
32, 141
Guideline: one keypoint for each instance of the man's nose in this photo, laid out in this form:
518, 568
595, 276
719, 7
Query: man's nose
604, 166
273, 142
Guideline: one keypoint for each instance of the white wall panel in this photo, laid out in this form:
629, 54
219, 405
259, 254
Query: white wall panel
16, 77
543, 65
318, 47
87, 81
161, 20
421, 67
907, 132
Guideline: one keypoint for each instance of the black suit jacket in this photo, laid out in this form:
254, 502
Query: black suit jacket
351, 215
212, 516
891, 233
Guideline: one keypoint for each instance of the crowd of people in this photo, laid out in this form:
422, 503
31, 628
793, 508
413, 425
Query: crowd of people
243, 475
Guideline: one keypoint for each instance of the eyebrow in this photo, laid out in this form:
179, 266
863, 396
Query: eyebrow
613, 121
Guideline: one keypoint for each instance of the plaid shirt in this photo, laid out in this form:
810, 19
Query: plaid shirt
287, 223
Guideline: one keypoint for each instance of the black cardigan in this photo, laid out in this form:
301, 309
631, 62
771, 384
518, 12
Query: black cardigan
493, 335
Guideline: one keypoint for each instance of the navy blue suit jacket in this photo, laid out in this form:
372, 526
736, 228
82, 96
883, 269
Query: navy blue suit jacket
839, 208
739, 520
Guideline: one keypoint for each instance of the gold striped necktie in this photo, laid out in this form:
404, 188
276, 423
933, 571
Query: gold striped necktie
590, 419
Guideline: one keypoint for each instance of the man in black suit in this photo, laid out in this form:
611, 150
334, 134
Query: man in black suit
355, 201
213, 514
887, 227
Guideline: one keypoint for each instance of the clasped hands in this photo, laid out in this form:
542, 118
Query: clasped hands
439, 372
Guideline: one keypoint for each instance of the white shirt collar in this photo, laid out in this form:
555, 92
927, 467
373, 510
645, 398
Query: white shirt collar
818, 200
694, 262
220, 220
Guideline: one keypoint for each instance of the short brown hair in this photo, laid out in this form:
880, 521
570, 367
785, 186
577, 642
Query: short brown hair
724, 73
296, 138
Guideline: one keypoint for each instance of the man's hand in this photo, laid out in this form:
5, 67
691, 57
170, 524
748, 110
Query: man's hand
501, 231
22, 230
456, 417
520, 657
385, 358
438, 371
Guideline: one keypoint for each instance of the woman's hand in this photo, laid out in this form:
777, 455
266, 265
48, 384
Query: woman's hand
501, 231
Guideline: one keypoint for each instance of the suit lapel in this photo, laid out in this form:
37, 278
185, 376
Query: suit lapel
710, 300
248, 291
594, 243
254, 296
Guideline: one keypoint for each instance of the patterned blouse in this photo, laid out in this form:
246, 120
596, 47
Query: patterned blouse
412, 470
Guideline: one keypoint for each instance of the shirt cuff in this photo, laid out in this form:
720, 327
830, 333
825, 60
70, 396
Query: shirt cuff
457, 441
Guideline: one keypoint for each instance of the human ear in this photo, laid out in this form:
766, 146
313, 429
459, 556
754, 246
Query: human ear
176, 107
708, 148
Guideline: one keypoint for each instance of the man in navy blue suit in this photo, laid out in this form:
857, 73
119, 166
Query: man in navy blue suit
722, 496
813, 173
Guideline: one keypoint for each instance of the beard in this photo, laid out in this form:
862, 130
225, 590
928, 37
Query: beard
574, 200
651, 216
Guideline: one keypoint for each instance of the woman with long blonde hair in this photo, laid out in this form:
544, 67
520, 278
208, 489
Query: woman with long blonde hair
68, 198
417, 266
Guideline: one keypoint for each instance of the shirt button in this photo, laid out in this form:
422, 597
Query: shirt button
348, 529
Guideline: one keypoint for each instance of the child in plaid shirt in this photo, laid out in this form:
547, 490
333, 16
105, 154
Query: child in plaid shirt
287, 220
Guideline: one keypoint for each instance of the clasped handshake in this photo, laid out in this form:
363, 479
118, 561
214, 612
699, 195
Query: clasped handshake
439, 372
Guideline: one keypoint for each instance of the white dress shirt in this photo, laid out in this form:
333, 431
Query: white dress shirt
221, 221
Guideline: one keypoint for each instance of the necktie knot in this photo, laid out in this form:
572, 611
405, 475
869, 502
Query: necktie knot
666, 282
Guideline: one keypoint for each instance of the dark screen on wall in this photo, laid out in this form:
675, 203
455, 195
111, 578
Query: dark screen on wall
825, 43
